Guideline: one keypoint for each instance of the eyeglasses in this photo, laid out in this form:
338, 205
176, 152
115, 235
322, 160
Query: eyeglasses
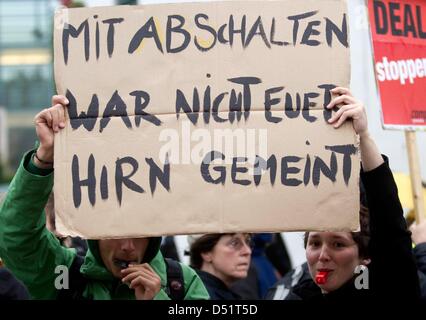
237, 244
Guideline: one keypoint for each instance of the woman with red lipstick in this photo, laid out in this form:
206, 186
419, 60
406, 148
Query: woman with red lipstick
377, 261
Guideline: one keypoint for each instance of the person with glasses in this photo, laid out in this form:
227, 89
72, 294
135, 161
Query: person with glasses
220, 260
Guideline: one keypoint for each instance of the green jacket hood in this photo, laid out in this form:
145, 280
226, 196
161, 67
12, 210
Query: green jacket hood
94, 267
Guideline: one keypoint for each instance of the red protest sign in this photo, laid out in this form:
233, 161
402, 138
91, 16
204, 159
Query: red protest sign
399, 41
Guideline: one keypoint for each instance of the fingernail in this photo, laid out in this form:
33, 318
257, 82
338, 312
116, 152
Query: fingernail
67, 101
330, 120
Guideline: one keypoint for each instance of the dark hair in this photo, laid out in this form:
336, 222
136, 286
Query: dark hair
206, 243
362, 237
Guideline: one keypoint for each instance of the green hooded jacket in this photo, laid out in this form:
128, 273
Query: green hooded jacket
35, 256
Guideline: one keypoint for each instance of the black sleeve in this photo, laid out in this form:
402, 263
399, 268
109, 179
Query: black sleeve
393, 271
420, 255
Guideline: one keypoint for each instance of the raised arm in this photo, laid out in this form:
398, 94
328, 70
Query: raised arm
353, 109
28, 249
392, 270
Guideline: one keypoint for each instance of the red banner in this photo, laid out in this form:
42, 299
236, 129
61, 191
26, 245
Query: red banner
399, 41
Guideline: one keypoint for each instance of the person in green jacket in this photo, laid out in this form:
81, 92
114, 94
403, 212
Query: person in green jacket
130, 268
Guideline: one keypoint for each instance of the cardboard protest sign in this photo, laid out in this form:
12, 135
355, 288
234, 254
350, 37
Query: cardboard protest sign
398, 31
203, 117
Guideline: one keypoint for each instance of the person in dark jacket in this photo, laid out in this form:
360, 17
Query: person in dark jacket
376, 262
10, 287
419, 238
262, 273
220, 260
283, 288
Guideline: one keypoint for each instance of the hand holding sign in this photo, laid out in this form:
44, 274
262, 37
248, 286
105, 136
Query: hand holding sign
354, 109
48, 122
351, 108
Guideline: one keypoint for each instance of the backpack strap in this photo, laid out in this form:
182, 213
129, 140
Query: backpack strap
175, 283
77, 282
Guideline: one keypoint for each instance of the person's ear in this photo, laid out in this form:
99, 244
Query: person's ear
207, 257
